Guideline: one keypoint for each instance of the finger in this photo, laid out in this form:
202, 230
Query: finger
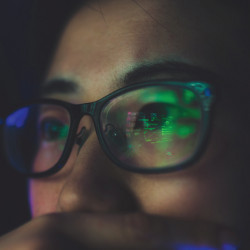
119, 231
138, 230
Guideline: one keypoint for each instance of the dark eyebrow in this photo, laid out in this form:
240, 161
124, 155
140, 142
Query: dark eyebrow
59, 86
174, 70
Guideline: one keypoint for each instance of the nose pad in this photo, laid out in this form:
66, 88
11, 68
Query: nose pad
86, 126
82, 137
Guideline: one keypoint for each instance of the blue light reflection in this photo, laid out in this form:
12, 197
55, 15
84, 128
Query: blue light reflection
207, 92
229, 247
18, 118
192, 247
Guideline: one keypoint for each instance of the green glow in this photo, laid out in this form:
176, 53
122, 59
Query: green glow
166, 124
64, 132
55, 130
170, 125
169, 96
185, 131
60, 131
193, 113
188, 96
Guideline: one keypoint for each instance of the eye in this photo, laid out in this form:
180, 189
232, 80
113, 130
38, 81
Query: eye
152, 116
52, 129
165, 120
156, 115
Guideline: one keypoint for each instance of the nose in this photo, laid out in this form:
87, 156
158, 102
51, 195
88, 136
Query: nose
94, 183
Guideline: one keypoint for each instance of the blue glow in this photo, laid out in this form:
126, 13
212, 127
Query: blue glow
192, 247
207, 92
17, 118
229, 247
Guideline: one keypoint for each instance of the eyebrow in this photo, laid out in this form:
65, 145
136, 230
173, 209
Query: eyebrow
59, 86
175, 71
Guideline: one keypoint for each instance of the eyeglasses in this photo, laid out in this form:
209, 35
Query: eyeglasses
150, 127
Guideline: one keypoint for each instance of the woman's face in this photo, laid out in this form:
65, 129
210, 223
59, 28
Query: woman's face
103, 43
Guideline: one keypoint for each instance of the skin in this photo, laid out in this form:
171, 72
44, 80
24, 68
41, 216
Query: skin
96, 50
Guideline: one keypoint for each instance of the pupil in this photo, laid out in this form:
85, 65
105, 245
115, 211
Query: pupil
150, 116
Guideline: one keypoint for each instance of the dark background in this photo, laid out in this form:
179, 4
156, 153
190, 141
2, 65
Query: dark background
29, 30
13, 71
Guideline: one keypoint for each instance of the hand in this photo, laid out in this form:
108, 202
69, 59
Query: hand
114, 231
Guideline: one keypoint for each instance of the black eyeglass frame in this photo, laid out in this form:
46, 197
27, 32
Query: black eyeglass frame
204, 91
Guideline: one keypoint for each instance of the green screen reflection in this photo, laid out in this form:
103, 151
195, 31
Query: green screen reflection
165, 115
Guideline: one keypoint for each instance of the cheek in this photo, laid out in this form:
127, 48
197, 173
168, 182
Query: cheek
192, 196
43, 197
44, 193
173, 197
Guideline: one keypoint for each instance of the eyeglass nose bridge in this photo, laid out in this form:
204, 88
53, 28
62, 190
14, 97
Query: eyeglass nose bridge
88, 108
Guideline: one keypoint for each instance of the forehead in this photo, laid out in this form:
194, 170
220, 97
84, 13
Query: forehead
107, 38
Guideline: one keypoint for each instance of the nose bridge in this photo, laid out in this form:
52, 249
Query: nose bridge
93, 184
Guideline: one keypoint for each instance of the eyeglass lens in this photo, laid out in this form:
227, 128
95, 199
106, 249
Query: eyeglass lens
153, 127
35, 137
